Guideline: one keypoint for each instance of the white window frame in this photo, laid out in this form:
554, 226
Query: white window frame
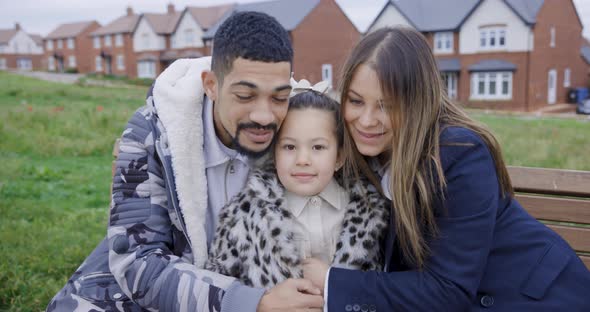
49, 45
98, 63
327, 73
567, 73
60, 43
443, 42
120, 62
24, 64
552, 35
189, 37
491, 80
146, 69
118, 40
3, 64
451, 80
71, 44
107, 41
51, 63
96, 42
72, 61
492, 38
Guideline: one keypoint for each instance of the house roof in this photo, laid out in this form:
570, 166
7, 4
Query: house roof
585, 51
287, 12
7, 34
37, 38
448, 65
122, 25
208, 16
69, 30
437, 15
163, 23
492, 65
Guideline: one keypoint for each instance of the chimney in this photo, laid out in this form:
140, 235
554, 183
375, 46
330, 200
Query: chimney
17, 26
129, 11
171, 8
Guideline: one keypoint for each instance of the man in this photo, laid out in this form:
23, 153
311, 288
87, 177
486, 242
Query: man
182, 157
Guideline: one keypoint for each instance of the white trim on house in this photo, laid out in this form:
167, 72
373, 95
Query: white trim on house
71, 43
119, 40
96, 42
3, 65
146, 69
186, 26
72, 61
120, 62
494, 15
24, 63
49, 45
390, 16
98, 63
107, 41
491, 86
567, 77
51, 63
22, 43
146, 39
327, 74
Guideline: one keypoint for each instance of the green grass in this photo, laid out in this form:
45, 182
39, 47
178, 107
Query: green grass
55, 166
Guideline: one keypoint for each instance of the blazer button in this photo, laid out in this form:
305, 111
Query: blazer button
487, 301
356, 308
372, 308
348, 308
364, 308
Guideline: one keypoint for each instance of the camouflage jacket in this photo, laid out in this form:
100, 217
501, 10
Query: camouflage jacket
156, 245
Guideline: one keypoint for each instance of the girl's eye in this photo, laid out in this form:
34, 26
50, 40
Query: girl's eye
289, 147
319, 147
355, 101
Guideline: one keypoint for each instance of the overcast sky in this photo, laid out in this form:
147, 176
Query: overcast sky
42, 16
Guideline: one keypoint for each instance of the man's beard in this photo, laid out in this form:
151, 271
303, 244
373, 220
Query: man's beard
256, 126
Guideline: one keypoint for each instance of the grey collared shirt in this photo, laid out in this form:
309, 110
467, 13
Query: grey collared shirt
226, 171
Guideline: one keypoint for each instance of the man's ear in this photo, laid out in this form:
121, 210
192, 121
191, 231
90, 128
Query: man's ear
210, 84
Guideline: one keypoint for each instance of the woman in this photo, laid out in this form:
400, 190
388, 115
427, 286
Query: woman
458, 240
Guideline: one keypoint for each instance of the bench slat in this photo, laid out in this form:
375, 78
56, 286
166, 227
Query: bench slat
556, 209
576, 237
550, 181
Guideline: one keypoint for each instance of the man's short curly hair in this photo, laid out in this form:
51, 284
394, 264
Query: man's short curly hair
249, 35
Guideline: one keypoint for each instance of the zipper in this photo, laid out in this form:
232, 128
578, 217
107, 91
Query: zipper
229, 168
170, 182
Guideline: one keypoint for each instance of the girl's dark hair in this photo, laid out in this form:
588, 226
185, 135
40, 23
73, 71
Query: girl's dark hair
321, 101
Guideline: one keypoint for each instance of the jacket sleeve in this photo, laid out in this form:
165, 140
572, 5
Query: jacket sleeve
140, 237
459, 253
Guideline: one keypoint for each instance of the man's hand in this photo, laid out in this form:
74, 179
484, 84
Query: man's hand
292, 295
315, 271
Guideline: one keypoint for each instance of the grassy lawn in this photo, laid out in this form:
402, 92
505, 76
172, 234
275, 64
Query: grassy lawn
55, 166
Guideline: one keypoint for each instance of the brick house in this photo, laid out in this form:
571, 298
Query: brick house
20, 50
112, 46
499, 54
69, 47
322, 35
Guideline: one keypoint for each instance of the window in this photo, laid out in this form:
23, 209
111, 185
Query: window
492, 38
107, 40
49, 45
145, 41
443, 42
98, 62
189, 37
71, 61
24, 64
491, 86
60, 44
552, 33
119, 40
2, 63
71, 43
566, 78
96, 42
3, 48
120, 62
51, 63
146, 69
327, 73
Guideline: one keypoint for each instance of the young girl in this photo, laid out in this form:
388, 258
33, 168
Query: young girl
459, 241
293, 208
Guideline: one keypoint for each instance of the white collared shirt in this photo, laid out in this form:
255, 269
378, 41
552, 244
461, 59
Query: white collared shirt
226, 171
318, 220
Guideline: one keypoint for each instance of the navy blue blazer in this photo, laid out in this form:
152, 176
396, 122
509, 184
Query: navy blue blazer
490, 254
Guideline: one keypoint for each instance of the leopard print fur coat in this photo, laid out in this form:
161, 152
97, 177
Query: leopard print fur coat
254, 240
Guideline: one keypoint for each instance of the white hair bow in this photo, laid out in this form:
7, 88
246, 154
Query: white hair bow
304, 85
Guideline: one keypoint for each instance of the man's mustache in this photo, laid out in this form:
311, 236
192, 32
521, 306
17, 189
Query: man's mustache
257, 126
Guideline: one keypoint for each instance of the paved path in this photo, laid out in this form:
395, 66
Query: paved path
55, 77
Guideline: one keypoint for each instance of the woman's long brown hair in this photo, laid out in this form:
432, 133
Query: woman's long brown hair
419, 110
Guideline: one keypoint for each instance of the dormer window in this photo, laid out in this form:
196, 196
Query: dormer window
443, 42
492, 38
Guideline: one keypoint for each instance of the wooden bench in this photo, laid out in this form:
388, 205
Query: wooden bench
559, 198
